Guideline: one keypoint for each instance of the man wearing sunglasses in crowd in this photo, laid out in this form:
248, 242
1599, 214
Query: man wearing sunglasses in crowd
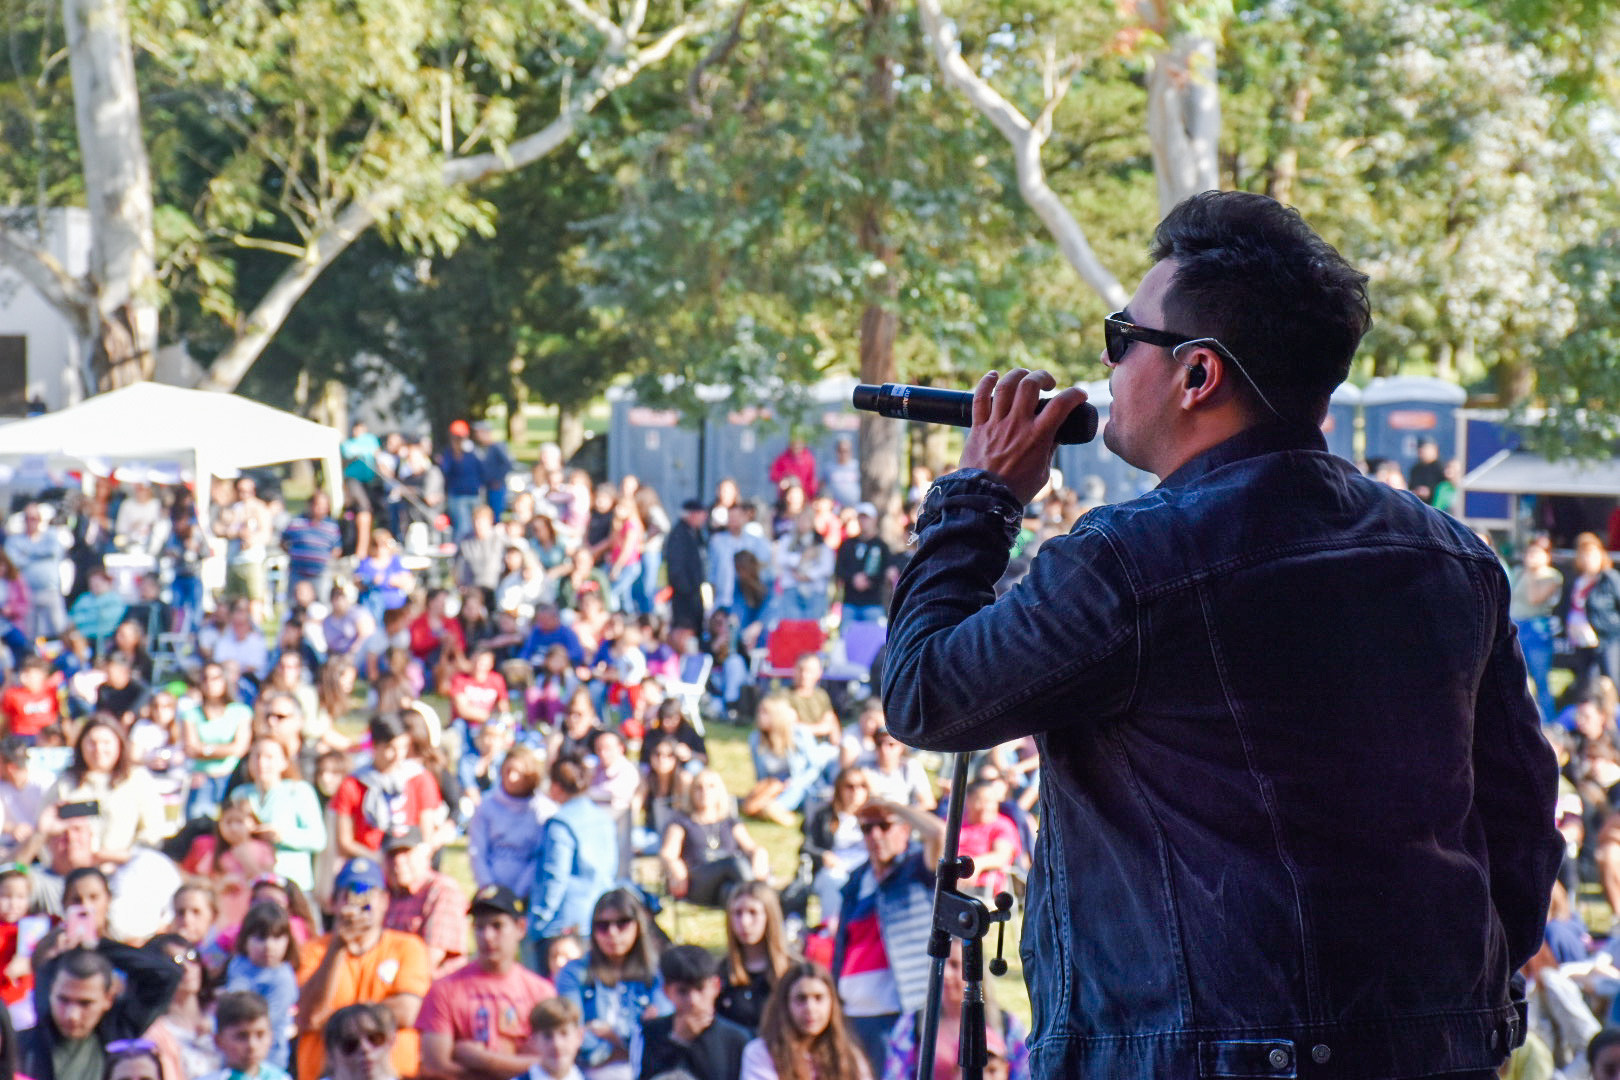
359, 1042
360, 962
1297, 811
880, 954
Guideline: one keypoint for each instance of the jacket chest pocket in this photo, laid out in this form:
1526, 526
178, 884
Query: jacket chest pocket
1236, 1058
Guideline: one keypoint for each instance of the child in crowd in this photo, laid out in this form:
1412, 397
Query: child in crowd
330, 769
555, 1036
243, 1034
554, 685
32, 703
692, 1038
134, 1059
231, 857
260, 964
563, 951
195, 913
285, 894
19, 933
622, 669
480, 767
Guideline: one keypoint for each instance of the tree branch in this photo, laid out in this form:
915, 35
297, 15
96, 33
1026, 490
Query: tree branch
40, 269
1026, 139
261, 324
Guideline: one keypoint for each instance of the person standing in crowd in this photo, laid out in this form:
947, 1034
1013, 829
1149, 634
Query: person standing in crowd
1591, 612
865, 569
98, 995
803, 1033
1424, 477
686, 559
424, 902
1403, 822
39, 551
360, 962
797, 462
844, 474
312, 544
724, 547
693, 1038
463, 473
655, 525
481, 557
1536, 587
496, 465
475, 1021
880, 955
578, 857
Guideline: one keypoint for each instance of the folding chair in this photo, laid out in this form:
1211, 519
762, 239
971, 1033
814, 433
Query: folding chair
791, 639
691, 683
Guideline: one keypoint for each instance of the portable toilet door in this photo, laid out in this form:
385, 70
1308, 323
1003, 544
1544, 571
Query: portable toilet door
1121, 481
654, 446
1401, 409
1339, 427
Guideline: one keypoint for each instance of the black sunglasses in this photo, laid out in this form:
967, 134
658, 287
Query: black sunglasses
1119, 332
350, 1044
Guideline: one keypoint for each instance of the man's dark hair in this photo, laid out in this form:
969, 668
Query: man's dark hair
14, 748
568, 772
239, 1007
79, 873
83, 964
385, 727
688, 965
1253, 275
1609, 1036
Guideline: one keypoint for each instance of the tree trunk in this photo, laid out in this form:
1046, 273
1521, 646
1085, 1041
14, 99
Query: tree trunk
880, 321
118, 189
1184, 119
517, 399
570, 431
1285, 167
1515, 381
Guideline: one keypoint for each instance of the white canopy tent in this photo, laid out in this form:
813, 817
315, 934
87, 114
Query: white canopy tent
195, 432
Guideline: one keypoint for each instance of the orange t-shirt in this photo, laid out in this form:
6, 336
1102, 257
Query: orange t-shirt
398, 964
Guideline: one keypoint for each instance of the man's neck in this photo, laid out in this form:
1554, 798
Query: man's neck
495, 965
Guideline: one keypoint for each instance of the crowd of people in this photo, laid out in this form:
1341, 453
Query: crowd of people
226, 799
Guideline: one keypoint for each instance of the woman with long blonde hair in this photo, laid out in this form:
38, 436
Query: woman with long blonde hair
802, 1035
788, 762
757, 953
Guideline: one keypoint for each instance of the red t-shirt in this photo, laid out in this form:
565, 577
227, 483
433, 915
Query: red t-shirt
486, 693
385, 812
29, 711
492, 1010
424, 639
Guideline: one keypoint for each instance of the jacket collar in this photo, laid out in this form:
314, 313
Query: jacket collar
1251, 442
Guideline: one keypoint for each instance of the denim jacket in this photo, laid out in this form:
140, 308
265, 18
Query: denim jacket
1297, 813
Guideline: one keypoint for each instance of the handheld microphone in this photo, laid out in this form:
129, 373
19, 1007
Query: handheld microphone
955, 407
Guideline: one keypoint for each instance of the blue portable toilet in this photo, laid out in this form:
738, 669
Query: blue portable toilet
1399, 410
741, 440
658, 446
1121, 481
1481, 436
1339, 428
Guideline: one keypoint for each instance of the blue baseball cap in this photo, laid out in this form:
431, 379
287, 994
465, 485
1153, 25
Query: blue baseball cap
359, 875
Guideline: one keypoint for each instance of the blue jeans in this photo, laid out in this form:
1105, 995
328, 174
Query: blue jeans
794, 604
865, 613
646, 591
622, 588
1536, 641
496, 497
205, 799
188, 598
460, 508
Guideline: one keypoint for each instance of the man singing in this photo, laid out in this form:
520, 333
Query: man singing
1297, 813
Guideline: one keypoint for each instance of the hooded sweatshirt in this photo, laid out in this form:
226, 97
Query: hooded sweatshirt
503, 839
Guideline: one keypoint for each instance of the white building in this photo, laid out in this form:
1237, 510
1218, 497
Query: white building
39, 353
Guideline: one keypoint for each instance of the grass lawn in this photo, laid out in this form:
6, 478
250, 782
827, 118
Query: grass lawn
728, 753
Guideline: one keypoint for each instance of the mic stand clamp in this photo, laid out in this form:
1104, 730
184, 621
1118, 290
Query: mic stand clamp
958, 915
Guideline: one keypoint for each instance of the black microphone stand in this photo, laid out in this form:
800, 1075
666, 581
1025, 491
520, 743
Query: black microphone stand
961, 916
